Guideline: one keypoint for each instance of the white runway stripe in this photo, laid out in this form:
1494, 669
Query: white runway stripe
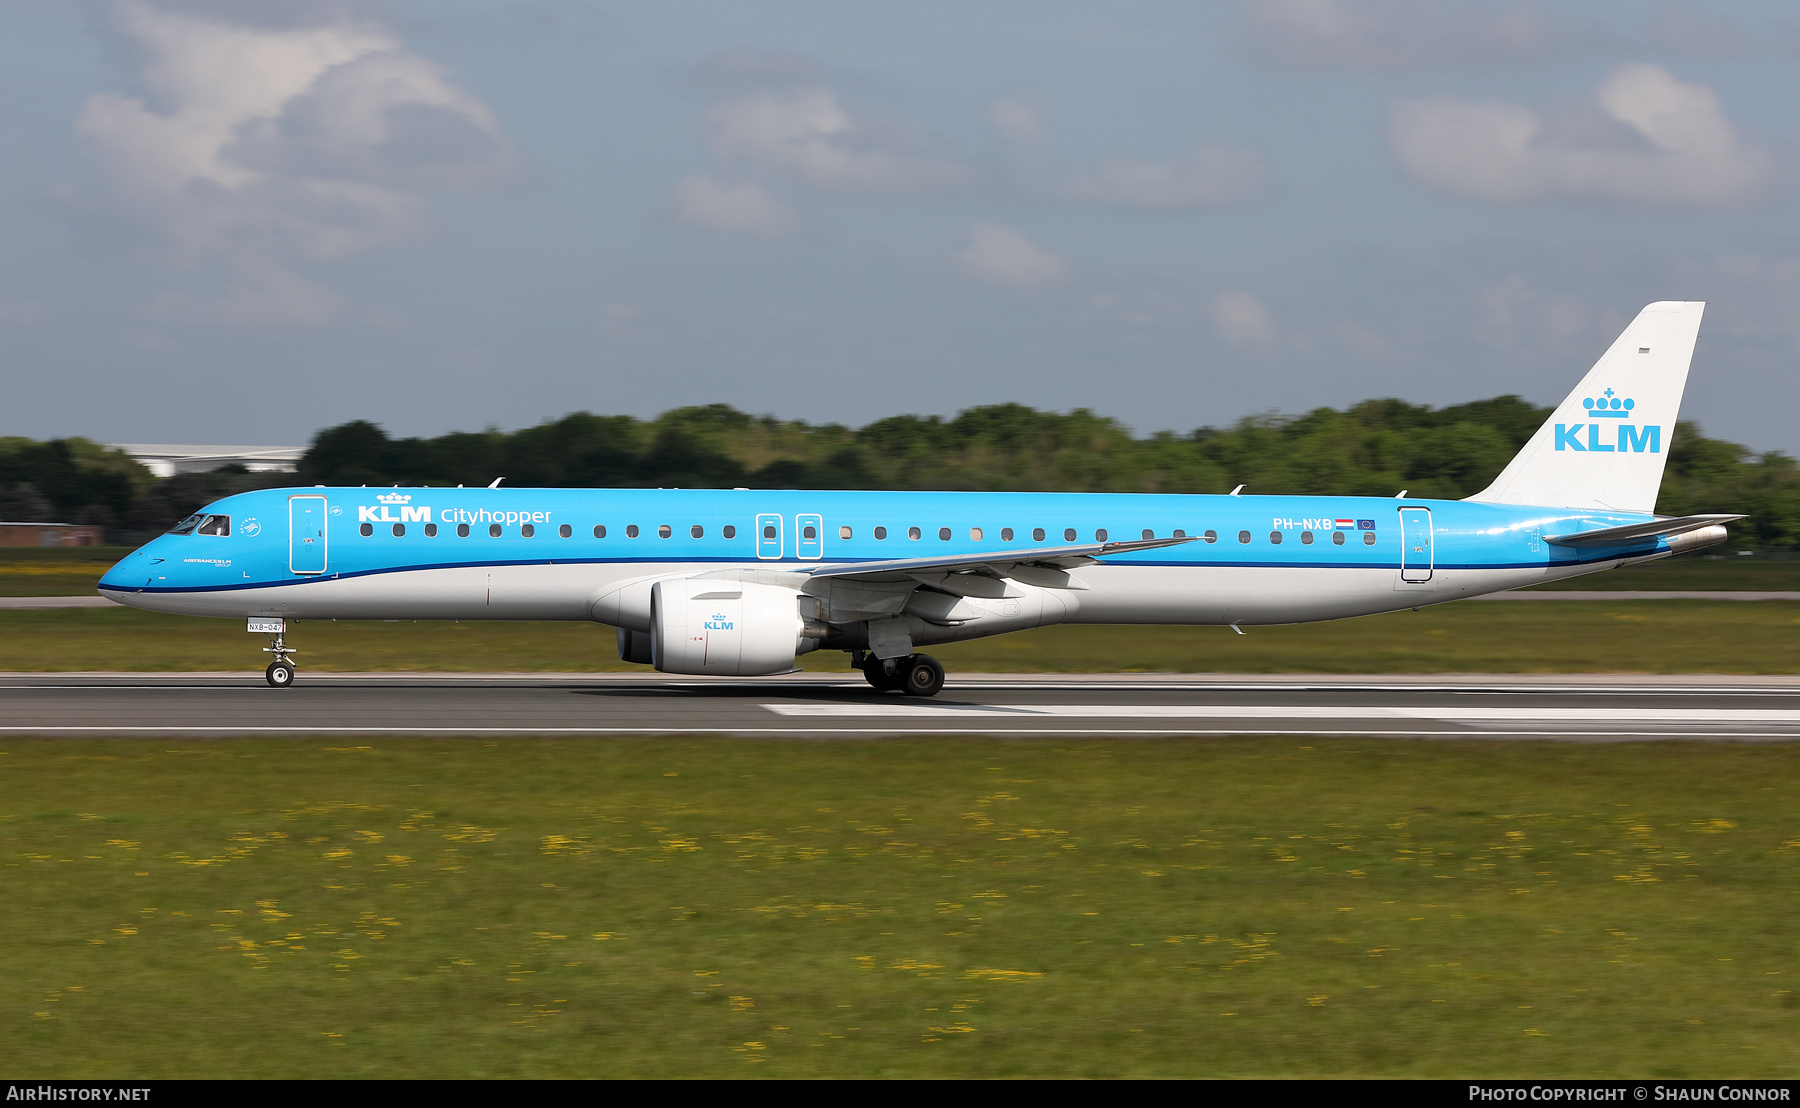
1445, 714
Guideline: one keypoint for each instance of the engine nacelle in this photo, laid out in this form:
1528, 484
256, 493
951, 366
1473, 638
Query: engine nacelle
728, 628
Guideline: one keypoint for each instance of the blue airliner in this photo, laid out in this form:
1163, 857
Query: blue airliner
740, 582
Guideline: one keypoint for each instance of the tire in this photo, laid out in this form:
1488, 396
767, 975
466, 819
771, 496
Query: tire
925, 677
280, 675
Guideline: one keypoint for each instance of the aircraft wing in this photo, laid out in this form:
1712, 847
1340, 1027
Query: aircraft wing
1047, 561
1634, 532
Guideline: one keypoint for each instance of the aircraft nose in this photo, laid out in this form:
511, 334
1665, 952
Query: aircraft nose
128, 573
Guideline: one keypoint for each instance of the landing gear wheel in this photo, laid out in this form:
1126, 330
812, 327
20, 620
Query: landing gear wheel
876, 673
923, 676
280, 675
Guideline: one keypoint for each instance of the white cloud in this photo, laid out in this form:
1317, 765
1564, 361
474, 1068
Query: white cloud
805, 134
1394, 34
1652, 139
319, 137
1211, 175
1242, 319
1004, 256
740, 209
1020, 119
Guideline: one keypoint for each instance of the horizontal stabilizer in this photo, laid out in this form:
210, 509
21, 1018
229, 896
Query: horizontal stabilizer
1635, 532
1000, 561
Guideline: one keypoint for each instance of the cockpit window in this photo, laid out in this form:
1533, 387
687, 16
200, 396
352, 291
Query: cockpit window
215, 525
186, 526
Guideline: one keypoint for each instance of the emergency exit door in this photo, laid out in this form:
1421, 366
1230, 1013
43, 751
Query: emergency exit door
768, 537
1416, 557
809, 537
306, 534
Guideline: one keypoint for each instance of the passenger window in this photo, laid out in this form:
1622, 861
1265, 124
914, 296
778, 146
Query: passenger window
1149, 534
1006, 534
1069, 534
631, 531
599, 530
399, 530
1274, 538
186, 526
1210, 537
697, 531
431, 530
565, 531
1243, 536
1100, 535
943, 534
912, 533
1179, 533
528, 530
843, 532
1337, 538
494, 530
768, 530
975, 534
1306, 538
462, 530
1037, 534
366, 530
217, 526
1368, 538
729, 531
809, 532
881, 532
664, 531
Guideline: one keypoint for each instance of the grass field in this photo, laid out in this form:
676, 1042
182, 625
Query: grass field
1654, 636
958, 907
73, 571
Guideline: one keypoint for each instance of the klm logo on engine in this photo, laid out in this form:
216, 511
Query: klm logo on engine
384, 513
718, 622
1636, 438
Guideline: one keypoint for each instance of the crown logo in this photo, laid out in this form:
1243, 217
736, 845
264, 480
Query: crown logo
1609, 406
395, 498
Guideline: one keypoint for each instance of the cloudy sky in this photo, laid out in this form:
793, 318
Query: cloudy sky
241, 221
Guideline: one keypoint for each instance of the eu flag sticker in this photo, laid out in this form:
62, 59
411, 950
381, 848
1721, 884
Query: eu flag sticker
1365, 525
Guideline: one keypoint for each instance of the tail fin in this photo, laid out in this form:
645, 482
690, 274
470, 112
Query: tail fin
1605, 445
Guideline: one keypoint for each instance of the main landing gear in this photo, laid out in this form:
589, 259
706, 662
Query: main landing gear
280, 673
914, 674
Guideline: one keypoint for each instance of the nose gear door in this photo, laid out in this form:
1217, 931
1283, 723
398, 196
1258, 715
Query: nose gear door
768, 537
306, 534
1416, 555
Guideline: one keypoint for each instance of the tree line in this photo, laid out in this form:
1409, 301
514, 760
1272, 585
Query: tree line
1375, 448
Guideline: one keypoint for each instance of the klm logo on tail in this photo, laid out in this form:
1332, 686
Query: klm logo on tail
1631, 437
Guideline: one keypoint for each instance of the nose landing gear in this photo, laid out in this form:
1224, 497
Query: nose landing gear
914, 674
280, 673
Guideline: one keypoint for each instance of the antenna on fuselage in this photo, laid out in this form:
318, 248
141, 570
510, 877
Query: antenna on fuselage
1235, 491
496, 483
1401, 495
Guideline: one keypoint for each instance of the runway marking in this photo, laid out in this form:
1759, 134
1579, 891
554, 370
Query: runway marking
889, 732
1444, 714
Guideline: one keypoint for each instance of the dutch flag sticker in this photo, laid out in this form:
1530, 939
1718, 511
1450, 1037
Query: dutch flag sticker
1345, 524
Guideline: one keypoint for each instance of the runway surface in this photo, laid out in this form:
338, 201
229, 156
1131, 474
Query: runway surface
830, 706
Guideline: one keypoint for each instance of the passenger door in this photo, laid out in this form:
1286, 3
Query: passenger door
809, 543
306, 534
768, 537
1416, 555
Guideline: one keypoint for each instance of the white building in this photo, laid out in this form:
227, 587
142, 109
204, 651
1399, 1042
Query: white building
166, 460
